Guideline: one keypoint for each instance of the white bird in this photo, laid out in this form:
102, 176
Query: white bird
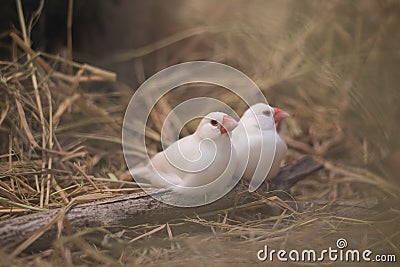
259, 147
206, 157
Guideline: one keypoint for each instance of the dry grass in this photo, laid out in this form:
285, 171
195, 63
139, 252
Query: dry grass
60, 127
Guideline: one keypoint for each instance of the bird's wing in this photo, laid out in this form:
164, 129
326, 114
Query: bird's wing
188, 147
157, 178
280, 153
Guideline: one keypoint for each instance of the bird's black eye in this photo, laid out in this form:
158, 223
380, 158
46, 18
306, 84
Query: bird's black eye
267, 112
214, 122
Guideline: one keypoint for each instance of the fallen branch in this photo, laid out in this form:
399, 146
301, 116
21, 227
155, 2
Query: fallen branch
134, 209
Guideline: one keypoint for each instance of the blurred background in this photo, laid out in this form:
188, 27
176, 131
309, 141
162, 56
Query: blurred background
338, 56
333, 65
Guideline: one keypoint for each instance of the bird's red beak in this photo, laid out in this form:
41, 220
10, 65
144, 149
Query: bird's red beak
280, 115
228, 124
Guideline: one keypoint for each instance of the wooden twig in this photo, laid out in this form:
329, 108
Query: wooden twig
24, 123
134, 209
97, 73
69, 32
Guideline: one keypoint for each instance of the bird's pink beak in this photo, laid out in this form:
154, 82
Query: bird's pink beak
228, 124
280, 115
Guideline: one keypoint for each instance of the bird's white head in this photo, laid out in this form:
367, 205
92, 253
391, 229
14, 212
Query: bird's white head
215, 124
265, 115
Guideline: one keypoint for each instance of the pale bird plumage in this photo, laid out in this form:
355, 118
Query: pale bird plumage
260, 150
205, 159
